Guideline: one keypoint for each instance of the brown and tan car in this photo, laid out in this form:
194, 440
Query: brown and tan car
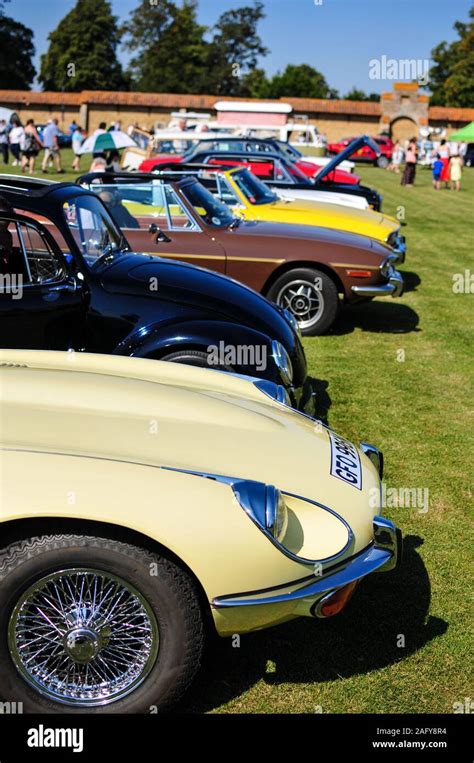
306, 269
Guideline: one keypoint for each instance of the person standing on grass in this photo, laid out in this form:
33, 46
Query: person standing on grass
408, 177
78, 138
4, 140
30, 147
51, 144
443, 152
437, 169
397, 157
16, 137
455, 172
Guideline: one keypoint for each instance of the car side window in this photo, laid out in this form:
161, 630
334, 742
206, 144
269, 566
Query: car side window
178, 215
43, 264
138, 205
225, 192
25, 252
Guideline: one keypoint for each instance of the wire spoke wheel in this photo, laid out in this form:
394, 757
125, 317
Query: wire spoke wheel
83, 637
304, 300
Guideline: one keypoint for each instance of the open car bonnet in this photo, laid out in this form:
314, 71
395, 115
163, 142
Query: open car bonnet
364, 140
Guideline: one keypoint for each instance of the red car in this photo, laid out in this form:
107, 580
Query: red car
247, 146
266, 167
366, 153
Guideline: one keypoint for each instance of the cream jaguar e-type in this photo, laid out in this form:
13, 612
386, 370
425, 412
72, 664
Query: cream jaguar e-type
142, 502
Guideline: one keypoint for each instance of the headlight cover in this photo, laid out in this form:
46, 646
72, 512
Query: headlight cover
282, 361
275, 391
276, 513
265, 505
292, 321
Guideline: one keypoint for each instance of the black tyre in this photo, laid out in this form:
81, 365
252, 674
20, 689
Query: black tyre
382, 162
91, 625
197, 358
310, 295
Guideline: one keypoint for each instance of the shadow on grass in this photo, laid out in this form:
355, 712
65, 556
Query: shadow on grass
322, 398
363, 638
411, 281
388, 317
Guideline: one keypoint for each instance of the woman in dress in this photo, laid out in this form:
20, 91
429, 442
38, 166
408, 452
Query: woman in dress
397, 157
408, 177
443, 152
31, 145
455, 172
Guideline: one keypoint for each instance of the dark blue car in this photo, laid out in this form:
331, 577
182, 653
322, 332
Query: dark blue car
82, 288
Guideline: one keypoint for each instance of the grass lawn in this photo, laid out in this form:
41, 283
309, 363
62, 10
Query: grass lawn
419, 412
396, 373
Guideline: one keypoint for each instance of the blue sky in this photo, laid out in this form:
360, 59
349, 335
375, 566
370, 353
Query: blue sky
337, 37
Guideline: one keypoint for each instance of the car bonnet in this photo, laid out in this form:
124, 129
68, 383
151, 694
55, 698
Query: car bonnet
101, 407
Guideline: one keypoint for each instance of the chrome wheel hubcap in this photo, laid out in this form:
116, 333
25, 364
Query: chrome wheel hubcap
304, 300
83, 637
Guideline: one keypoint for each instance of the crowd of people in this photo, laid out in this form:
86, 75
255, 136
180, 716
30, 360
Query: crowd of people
445, 158
24, 143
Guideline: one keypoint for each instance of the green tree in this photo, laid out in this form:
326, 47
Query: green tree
452, 76
234, 51
171, 53
82, 53
300, 81
16, 53
359, 95
255, 84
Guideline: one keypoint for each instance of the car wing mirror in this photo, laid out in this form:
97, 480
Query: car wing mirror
160, 235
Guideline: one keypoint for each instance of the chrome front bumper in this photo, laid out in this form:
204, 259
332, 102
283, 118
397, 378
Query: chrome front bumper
393, 287
240, 613
399, 248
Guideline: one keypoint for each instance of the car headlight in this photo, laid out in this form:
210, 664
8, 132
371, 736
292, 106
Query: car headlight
292, 321
275, 391
282, 361
265, 505
276, 513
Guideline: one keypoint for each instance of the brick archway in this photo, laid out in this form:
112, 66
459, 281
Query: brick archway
403, 128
